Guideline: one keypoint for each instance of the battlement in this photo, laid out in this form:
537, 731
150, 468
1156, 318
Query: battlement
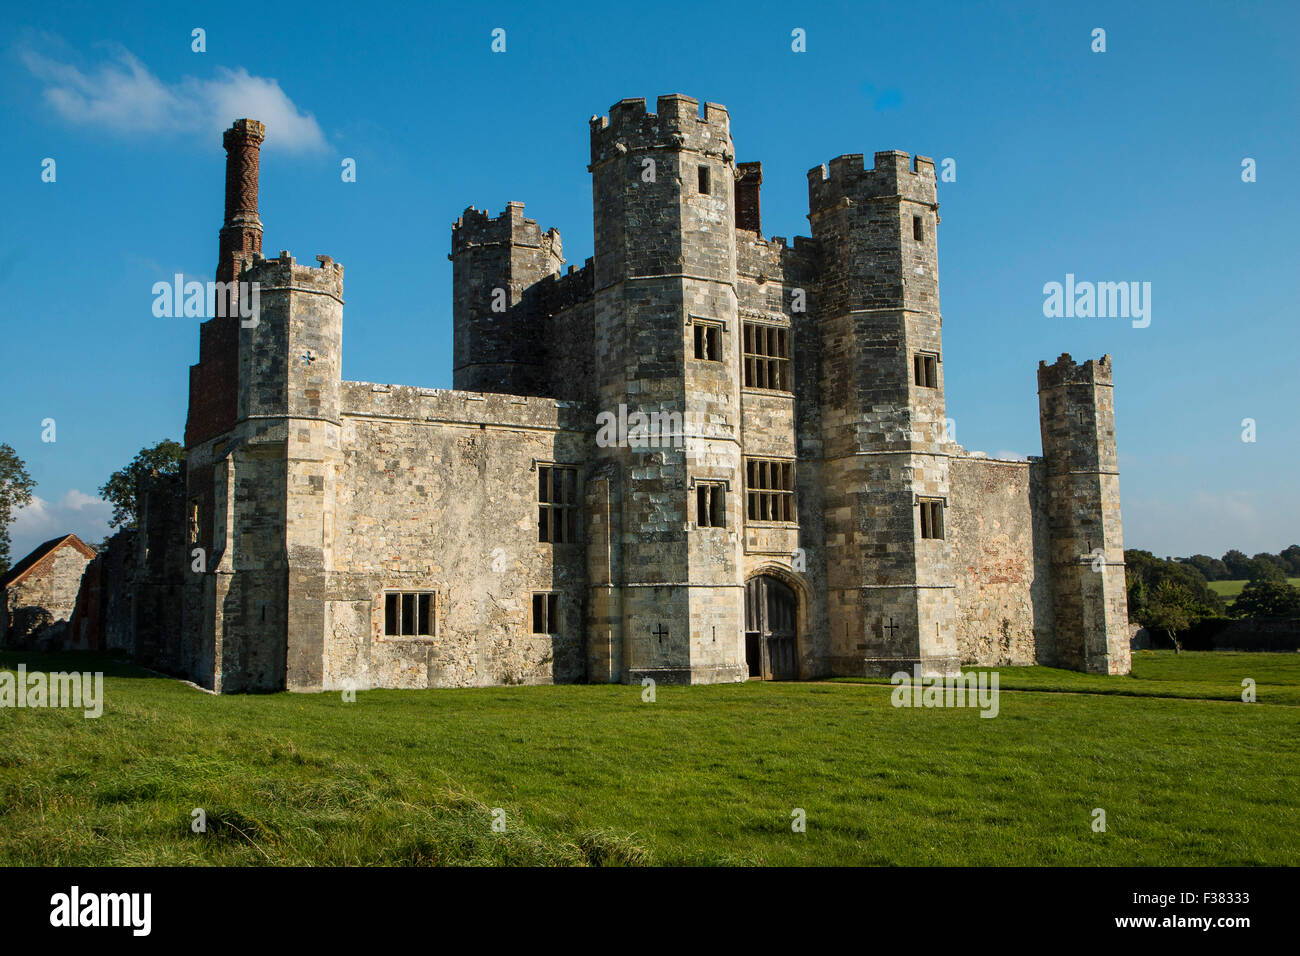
559, 292
677, 124
776, 258
1065, 371
477, 227
285, 273
895, 174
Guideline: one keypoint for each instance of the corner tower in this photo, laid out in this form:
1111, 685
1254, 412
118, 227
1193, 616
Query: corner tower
889, 563
669, 600
1077, 414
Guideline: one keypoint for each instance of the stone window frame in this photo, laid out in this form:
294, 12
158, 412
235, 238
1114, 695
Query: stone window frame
704, 180
930, 517
761, 495
707, 338
925, 368
708, 321
546, 605
399, 594
716, 491
761, 361
918, 229
547, 508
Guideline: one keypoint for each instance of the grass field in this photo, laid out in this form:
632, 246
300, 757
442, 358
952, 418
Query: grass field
1186, 773
1230, 589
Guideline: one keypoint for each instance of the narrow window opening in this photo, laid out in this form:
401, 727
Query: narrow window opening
925, 370
704, 180
710, 505
546, 613
708, 341
932, 519
918, 229
557, 504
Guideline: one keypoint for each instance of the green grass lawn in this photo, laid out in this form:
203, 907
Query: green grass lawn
1187, 773
1230, 589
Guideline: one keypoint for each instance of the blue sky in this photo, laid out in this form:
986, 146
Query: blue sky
1115, 166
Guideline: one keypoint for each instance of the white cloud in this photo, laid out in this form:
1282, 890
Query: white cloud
84, 515
122, 95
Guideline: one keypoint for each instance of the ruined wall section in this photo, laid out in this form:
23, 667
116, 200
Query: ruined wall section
161, 567
438, 491
569, 333
1001, 559
1077, 416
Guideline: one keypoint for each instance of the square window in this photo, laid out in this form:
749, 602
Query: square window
766, 356
769, 490
410, 614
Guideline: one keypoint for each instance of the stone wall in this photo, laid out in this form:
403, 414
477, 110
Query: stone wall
998, 530
438, 491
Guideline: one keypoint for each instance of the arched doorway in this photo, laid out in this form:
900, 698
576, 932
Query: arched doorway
771, 641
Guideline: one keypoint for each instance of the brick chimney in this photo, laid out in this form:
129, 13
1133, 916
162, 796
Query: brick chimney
214, 380
241, 235
749, 176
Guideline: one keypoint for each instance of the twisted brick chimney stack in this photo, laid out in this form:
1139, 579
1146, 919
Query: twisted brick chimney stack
214, 380
241, 235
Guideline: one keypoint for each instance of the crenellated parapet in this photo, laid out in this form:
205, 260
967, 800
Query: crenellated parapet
477, 228
676, 124
1065, 371
286, 273
895, 175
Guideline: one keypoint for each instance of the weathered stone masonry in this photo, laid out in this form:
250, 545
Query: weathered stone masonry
334, 515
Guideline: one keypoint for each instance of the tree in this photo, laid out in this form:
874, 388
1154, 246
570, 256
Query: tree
1145, 574
15, 492
1264, 567
1211, 568
1173, 608
165, 458
1236, 562
1266, 598
1291, 558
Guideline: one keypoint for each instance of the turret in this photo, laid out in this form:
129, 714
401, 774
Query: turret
667, 344
889, 561
499, 344
1077, 414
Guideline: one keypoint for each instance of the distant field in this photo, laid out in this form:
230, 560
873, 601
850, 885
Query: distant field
583, 775
1230, 589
